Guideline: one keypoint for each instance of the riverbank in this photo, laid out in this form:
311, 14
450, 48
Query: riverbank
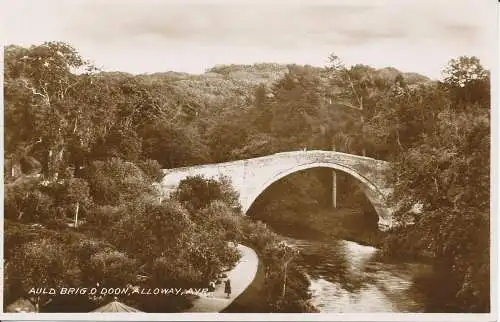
241, 276
325, 224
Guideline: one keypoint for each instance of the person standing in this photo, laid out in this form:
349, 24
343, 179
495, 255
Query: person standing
227, 287
211, 289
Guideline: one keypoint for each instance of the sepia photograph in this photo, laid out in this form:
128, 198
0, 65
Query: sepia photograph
295, 160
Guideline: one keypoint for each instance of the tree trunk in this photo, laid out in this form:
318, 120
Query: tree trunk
37, 304
398, 141
347, 144
50, 165
284, 282
363, 149
77, 208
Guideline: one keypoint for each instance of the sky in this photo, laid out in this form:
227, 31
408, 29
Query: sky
192, 35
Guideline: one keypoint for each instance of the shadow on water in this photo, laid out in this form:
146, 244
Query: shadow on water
346, 276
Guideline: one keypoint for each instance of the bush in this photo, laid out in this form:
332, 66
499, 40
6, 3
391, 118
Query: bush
196, 192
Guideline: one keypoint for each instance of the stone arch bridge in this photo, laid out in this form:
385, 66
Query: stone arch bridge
251, 177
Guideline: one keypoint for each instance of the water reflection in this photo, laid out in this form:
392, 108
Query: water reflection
349, 277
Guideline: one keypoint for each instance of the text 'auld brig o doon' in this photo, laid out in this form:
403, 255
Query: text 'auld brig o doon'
116, 291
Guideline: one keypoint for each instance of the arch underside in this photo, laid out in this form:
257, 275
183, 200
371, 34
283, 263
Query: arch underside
371, 191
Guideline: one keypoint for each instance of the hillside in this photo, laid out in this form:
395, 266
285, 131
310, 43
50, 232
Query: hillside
237, 83
239, 77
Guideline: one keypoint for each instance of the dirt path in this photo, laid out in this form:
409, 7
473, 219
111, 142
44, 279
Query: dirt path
241, 277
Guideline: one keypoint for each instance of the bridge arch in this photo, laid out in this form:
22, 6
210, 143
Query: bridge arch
251, 177
371, 191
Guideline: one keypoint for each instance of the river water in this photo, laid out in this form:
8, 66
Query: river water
347, 277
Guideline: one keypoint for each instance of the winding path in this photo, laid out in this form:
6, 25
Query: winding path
241, 277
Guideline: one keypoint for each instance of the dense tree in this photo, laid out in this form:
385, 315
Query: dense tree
40, 78
198, 192
78, 196
464, 70
468, 81
225, 138
40, 264
111, 268
115, 181
152, 169
172, 145
447, 170
119, 143
221, 220
296, 107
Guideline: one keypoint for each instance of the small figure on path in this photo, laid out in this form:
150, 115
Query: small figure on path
227, 287
211, 289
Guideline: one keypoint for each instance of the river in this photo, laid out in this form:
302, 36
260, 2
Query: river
347, 277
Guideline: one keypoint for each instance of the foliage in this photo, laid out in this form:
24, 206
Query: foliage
112, 268
152, 169
161, 227
172, 146
198, 192
447, 170
115, 181
40, 263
